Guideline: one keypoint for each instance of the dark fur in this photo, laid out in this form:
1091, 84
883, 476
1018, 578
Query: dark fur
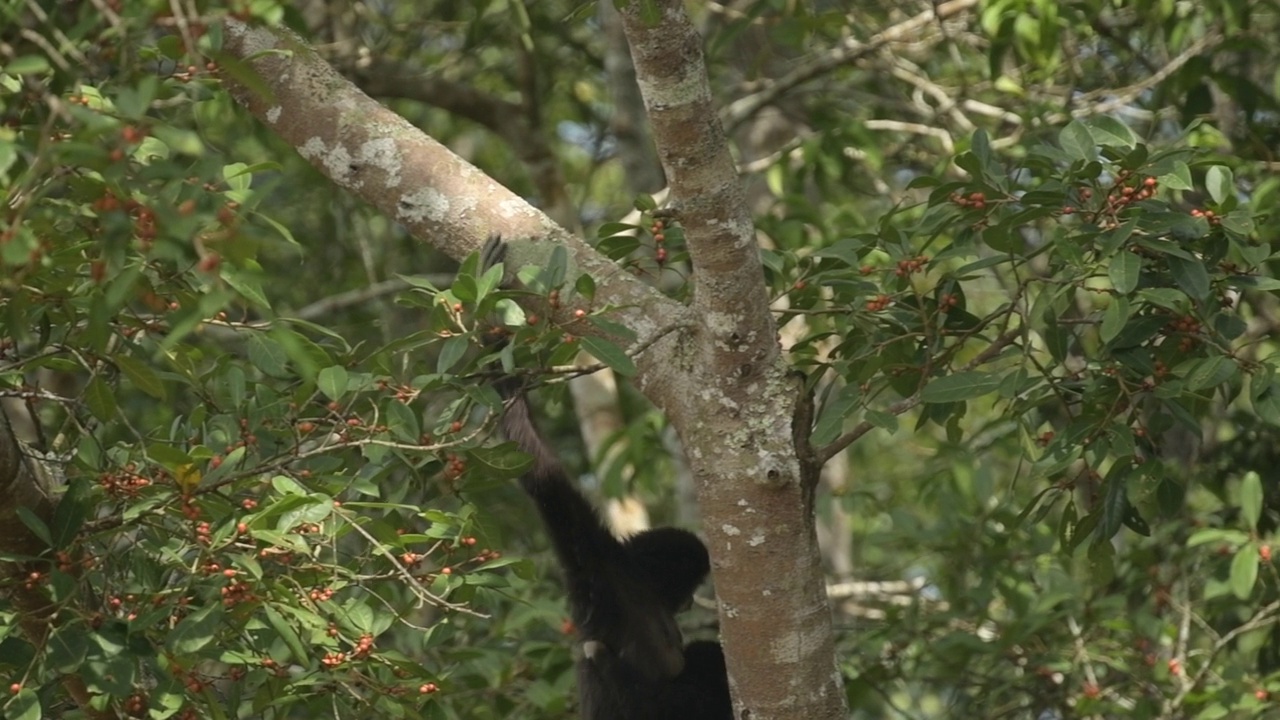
623, 596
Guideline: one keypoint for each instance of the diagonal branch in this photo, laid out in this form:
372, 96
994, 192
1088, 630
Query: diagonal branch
851, 50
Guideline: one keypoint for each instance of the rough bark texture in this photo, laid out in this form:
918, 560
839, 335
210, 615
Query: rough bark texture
733, 403
382, 159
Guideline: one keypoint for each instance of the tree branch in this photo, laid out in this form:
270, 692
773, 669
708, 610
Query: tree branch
379, 157
906, 404
851, 50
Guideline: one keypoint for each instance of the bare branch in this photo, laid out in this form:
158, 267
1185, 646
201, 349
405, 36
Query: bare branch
851, 50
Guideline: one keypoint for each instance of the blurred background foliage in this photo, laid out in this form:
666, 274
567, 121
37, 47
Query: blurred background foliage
1022, 248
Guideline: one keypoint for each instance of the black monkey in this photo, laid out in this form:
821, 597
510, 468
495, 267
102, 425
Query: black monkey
623, 595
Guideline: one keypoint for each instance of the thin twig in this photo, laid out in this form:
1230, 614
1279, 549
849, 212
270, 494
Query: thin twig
906, 404
422, 591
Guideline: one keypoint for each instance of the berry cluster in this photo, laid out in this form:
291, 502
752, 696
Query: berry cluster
911, 265
975, 200
879, 302
123, 484
1189, 327
659, 237
1124, 193
1209, 215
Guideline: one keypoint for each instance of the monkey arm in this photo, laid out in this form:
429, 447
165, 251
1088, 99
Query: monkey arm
612, 600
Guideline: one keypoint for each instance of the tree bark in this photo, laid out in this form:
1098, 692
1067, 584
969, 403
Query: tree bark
733, 402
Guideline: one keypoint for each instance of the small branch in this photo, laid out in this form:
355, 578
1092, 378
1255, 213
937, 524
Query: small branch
1268, 615
866, 588
906, 404
847, 52
916, 129
359, 296
425, 596
1124, 96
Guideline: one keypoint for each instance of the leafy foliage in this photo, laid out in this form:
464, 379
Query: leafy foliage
1052, 364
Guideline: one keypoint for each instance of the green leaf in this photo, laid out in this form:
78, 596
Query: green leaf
1077, 142
1239, 221
195, 630
1135, 522
609, 354
1267, 403
333, 381
1114, 319
315, 510
23, 706
451, 352
1102, 569
245, 283
1109, 131
616, 330
100, 400
141, 375
1124, 270
26, 65
1178, 179
1167, 298
1041, 508
1219, 182
1067, 525
267, 355
489, 281
1115, 504
403, 422
67, 648
233, 382
1209, 372
306, 355
1190, 275
34, 524
586, 287
882, 420
285, 632
168, 455
285, 485
72, 510
961, 386
1251, 499
280, 229
1244, 571
419, 282
835, 409
504, 460
557, 267
1233, 538
1170, 495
